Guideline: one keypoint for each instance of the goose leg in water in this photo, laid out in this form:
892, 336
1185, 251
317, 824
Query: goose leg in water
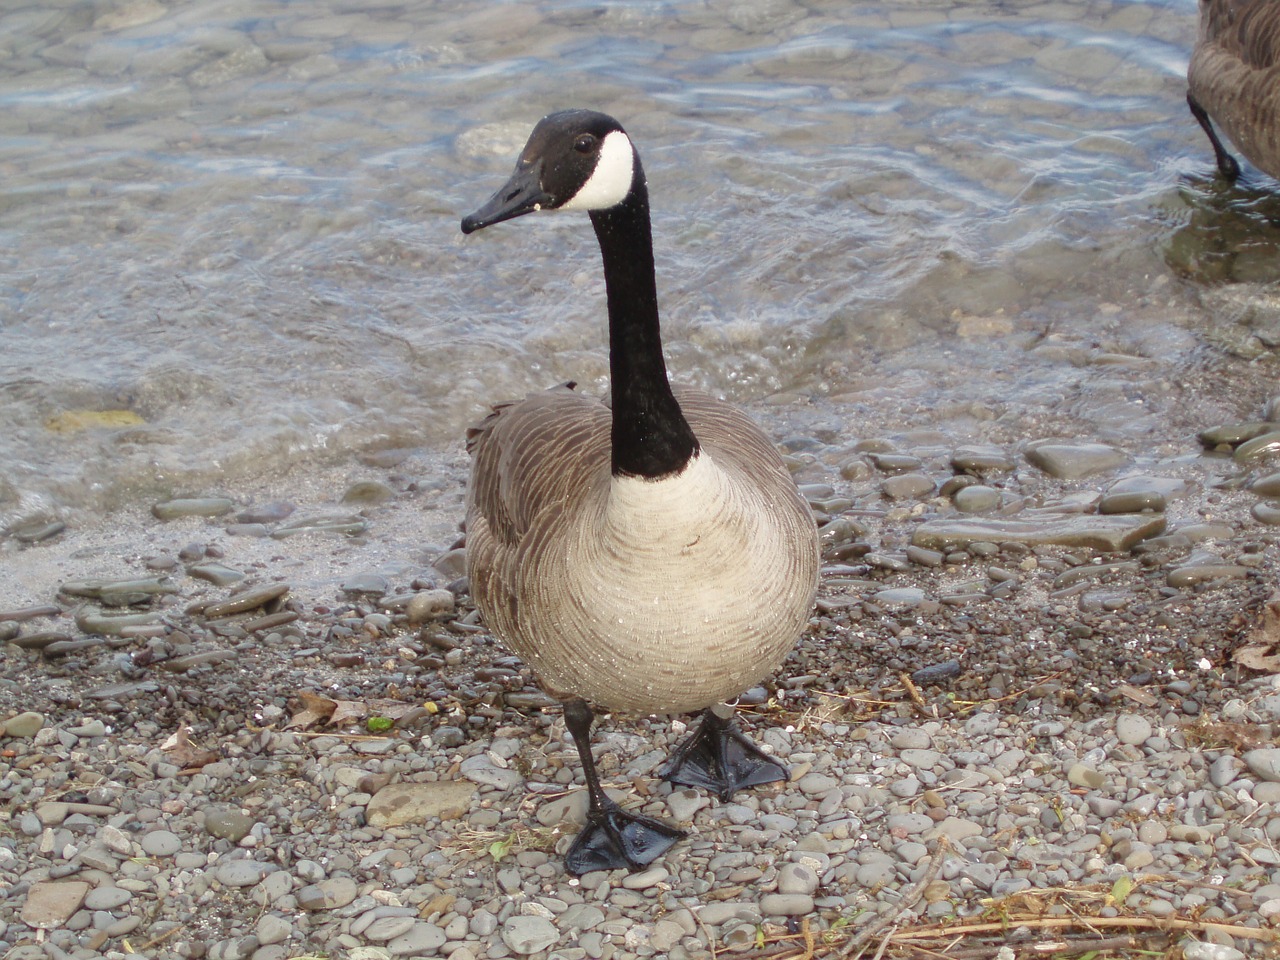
1227, 164
612, 837
718, 757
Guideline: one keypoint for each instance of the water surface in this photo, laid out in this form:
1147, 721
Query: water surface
229, 239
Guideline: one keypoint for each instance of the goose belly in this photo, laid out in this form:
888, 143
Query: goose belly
668, 596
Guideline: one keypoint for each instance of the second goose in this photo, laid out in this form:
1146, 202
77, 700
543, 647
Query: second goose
1234, 81
647, 554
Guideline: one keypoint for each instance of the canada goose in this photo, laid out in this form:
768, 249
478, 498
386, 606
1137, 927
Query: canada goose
648, 554
1234, 81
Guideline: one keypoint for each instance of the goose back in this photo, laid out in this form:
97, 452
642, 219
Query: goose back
638, 595
1235, 75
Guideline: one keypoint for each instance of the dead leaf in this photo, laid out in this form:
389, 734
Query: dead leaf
1261, 649
185, 753
315, 709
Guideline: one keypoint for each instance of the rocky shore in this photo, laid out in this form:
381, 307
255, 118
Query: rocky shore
268, 724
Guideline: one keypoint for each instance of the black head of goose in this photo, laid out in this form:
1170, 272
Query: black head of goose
1233, 80
649, 554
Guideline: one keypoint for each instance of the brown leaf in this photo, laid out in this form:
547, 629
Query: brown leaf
315, 709
348, 711
1261, 649
185, 753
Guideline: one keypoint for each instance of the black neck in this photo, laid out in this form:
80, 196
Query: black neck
651, 437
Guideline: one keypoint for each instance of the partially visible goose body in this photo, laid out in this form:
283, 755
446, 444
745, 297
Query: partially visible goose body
649, 554
1234, 81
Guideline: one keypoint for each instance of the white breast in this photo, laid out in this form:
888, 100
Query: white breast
671, 595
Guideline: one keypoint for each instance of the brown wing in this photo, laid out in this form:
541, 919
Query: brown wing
531, 459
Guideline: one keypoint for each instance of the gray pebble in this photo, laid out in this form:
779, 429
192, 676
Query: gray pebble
786, 904
327, 894
273, 929
192, 507
797, 878
161, 843
107, 898
24, 725
242, 873
422, 939
1264, 762
1132, 728
228, 824
527, 934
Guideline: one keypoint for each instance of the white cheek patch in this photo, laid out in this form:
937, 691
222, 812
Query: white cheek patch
610, 182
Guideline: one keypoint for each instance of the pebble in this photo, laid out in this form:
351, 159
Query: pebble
328, 894
1071, 461
24, 725
192, 507
227, 823
527, 934
786, 904
1111, 534
1133, 729
1264, 762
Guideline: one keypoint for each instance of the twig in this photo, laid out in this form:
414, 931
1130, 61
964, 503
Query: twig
913, 896
914, 693
1059, 923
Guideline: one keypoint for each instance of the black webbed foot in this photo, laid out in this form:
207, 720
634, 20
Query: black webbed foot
719, 758
614, 838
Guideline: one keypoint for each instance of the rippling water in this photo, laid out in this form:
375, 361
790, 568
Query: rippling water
230, 239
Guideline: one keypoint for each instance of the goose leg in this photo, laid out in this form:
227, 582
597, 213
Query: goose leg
612, 837
718, 757
1227, 164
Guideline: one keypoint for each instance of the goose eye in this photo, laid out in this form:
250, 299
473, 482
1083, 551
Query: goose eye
585, 143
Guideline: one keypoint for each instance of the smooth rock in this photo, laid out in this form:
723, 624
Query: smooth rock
527, 934
50, 903
192, 507
1112, 534
399, 803
227, 823
1264, 762
328, 894
1071, 461
1132, 728
24, 725
786, 904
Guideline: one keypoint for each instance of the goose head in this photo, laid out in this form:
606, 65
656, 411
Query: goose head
574, 160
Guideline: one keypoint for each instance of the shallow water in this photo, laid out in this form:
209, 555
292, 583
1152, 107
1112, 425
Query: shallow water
229, 242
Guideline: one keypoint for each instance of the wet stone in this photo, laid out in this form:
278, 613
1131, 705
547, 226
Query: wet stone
907, 486
1192, 574
977, 498
1134, 502
1266, 445
1068, 461
218, 574
368, 492
981, 460
266, 513
1233, 434
246, 601
1114, 534
192, 507
1267, 512
371, 583
344, 524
